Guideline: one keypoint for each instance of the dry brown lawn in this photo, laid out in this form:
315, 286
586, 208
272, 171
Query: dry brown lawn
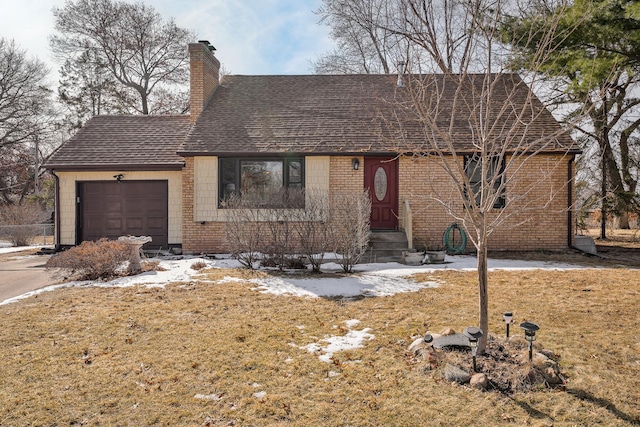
223, 354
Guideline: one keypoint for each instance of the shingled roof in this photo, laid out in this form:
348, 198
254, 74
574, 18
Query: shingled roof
314, 114
124, 143
350, 114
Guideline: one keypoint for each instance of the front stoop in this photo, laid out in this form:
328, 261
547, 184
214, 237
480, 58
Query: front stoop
386, 246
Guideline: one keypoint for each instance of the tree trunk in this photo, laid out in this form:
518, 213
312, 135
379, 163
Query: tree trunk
603, 191
624, 220
483, 295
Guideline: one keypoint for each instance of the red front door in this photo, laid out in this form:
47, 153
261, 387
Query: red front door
381, 179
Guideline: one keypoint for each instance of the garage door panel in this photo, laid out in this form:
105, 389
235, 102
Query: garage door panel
112, 209
155, 224
113, 224
134, 224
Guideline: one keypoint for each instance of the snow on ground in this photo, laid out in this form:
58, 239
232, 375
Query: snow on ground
381, 279
376, 279
6, 249
353, 339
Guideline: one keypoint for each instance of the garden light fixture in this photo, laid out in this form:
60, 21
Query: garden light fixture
473, 334
428, 338
530, 329
508, 319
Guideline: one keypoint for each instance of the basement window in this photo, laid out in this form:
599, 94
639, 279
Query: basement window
494, 179
264, 182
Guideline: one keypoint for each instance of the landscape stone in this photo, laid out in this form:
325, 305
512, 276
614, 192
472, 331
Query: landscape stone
417, 346
479, 381
447, 331
456, 374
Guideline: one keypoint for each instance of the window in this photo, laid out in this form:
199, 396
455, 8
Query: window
260, 180
495, 175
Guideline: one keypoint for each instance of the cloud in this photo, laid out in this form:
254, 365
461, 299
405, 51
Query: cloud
252, 36
258, 37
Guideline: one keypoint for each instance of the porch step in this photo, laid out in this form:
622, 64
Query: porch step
386, 246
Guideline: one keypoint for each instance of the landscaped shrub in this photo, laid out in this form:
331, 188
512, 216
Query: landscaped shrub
280, 221
349, 225
312, 228
244, 230
103, 259
277, 234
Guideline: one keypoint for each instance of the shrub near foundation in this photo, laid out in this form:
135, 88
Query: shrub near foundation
103, 259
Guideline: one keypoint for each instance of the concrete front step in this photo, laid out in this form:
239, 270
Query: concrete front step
386, 246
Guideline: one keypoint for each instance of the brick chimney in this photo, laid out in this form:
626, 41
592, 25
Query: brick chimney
205, 75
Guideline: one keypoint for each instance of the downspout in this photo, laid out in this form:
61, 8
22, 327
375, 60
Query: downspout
56, 209
570, 203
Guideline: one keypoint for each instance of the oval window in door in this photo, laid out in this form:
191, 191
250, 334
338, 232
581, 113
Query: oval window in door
380, 183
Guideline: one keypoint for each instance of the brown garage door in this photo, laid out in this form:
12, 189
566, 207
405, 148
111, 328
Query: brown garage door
112, 209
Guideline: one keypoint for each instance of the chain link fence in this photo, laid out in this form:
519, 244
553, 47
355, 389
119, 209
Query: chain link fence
29, 234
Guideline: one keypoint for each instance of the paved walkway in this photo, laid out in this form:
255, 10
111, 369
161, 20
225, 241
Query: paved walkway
22, 273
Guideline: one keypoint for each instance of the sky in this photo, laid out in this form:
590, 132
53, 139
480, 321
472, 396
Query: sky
251, 36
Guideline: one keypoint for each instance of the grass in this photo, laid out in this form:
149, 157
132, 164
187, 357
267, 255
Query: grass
201, 353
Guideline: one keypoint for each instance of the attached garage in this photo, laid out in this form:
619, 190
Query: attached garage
118, 208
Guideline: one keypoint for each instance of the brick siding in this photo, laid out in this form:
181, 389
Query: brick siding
530, 222
204, 78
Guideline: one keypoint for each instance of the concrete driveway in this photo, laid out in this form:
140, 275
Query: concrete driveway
22, 272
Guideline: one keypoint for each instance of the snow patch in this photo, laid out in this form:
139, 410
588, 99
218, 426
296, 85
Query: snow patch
352, 340
214, 397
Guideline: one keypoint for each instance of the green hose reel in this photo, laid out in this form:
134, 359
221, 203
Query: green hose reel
454, 240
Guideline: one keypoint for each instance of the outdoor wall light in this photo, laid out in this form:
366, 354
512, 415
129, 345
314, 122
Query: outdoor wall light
356, 164
508, 319
118, 177
530, 329
428, 338
473, 334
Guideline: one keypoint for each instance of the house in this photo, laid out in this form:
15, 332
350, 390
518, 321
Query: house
168, 176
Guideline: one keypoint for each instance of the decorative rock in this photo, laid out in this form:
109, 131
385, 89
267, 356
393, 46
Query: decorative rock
542, 363
550, 354
552, 377
456, 374
479, 381
435, 358
447, 331
417, 346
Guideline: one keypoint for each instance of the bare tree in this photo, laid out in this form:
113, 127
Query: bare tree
480, 126
364, 44
142, 52
25, 115
88, 89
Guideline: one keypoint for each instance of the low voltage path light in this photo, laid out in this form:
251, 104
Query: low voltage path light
428, 339
508, 319
530, 329
474, 335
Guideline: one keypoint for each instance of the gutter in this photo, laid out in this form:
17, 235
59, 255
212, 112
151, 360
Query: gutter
56, 210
